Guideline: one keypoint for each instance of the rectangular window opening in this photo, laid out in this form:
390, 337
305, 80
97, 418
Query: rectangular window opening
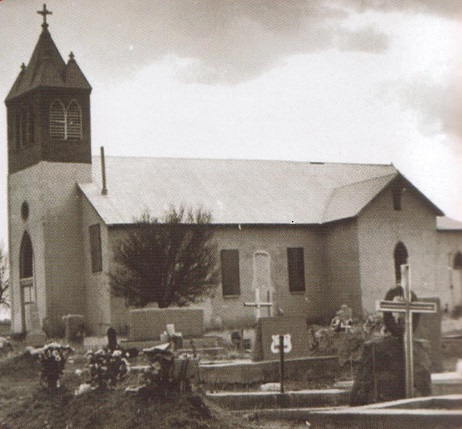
230, 277
296, 268
95, 248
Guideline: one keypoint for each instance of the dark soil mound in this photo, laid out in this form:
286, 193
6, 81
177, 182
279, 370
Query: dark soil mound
23, 366
114, 410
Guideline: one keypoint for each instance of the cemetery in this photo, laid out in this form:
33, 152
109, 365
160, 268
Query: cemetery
380, 372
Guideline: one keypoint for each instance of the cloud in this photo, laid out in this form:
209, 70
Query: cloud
364, 40
447, 8
224, 41
439, 105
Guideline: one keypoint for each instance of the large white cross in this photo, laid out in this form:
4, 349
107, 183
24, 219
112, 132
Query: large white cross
408, 307
259, 304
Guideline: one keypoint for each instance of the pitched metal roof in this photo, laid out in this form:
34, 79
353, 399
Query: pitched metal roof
47, 68
445, 223
236, 191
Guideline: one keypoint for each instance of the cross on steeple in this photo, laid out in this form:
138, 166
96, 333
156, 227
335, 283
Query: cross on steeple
44, 12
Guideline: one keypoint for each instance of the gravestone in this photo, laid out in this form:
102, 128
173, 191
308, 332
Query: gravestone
73, 328
380, 376
111, 339
429, 328
395, 366
35, 335
268, 326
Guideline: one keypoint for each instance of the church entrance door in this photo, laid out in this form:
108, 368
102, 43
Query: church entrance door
29, 309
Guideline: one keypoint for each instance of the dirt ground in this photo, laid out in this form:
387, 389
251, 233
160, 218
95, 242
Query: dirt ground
26, 404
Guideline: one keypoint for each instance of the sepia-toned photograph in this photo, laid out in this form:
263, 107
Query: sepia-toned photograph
220, 214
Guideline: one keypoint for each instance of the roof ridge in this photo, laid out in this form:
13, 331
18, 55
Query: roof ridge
334, 191
248, 160
366, 180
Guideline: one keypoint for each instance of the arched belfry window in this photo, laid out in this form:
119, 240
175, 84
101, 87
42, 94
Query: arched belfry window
65, 124
57, 120
457, 261
25, 128
74, 121
400, 257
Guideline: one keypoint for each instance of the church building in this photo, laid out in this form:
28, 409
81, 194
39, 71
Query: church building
308, 236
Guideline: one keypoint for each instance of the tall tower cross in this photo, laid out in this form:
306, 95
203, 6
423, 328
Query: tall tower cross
44, 12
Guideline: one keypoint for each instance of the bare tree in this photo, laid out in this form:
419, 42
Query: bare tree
4, 280
167, 261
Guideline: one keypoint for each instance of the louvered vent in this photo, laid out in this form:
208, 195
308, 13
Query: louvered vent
74, 121
57, 121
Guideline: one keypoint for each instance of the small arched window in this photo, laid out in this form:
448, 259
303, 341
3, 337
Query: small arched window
457, 261
57, 121
74, 121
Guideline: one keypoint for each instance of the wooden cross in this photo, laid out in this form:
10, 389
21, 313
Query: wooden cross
408, 307
259, 304
44, 12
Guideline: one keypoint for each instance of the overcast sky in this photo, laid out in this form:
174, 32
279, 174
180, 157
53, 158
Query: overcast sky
373, 81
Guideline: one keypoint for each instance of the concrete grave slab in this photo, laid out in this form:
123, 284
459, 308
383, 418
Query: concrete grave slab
417, 413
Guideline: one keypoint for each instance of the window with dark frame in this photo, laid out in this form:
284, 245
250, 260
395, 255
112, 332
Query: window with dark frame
95, 248
457, 261
230, 277
296, 268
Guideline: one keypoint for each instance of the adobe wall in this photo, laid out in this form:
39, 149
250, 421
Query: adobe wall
449, 243
380, 228
230, 312
341, 265
97, 293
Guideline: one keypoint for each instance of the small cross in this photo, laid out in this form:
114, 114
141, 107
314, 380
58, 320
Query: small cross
259, 304
44, 12
408, 307
71, 56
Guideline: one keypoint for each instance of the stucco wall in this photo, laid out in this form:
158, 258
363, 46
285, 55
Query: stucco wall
380, 228
342, 255
54, 227
449, 243
97, 310
230, 312
274, 240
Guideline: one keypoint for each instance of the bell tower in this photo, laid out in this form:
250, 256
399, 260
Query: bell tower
49, 152
48, 109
